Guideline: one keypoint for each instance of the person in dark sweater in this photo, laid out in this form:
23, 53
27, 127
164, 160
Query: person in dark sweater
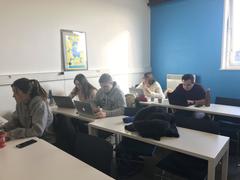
194, 93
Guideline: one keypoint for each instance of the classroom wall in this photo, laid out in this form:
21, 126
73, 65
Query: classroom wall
186, 37
117, 34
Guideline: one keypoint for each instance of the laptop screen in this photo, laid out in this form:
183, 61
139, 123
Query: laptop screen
63, 101
137, 92
84, 107
177, 99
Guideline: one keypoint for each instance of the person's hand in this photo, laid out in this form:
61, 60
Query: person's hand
96, 109
75, 90
168, 90
190, 102
101, 114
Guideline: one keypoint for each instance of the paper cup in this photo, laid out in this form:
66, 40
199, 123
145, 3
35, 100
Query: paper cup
2, 139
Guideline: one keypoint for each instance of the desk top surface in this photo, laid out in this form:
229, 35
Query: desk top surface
215, 109
41, 161
192, 142
72, 113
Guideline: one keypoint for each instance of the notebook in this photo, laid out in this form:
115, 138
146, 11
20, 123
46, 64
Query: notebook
137, 92
177, 99
63, 101
85, 109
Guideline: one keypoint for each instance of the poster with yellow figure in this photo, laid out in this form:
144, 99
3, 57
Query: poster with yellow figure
74, 50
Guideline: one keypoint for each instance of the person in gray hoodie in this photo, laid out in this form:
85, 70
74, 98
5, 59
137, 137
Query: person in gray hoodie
32, 117
109, 100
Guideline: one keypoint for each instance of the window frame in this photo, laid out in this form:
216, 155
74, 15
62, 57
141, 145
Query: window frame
227, 61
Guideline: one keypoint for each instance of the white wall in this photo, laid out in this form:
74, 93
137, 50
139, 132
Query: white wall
117, 41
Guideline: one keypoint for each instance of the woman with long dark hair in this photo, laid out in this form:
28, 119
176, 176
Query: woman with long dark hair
83, 89
32, 116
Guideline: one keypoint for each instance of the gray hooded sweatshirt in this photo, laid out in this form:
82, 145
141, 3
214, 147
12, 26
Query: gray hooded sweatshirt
113, 102
32, 119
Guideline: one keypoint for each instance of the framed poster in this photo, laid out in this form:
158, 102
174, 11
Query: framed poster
74, 50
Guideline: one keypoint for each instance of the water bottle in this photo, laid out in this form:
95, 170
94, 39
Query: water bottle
51, 101
207, 98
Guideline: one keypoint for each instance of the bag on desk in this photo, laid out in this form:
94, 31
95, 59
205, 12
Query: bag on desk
153, 122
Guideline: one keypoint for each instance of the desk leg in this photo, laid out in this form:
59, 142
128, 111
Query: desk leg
211, 170
92, 131
225, 165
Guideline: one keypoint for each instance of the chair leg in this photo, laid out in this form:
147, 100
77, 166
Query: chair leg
238, 153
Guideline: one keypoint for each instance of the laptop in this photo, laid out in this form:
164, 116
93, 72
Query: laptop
177, 99
84, 109
63, 101
137, 92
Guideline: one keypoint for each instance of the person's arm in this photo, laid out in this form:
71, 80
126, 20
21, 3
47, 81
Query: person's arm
140, 86
39, 114
11, 124
156, 91
73, 92
120, 104
118, 111
95, 103
92, 95
200, 100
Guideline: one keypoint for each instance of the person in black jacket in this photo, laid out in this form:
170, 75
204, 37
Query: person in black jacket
194, 93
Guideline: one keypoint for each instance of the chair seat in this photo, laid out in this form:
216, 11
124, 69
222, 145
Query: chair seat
184, 166
230, 124
228, 128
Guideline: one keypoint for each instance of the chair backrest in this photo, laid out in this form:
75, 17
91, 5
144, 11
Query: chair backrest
230, 102
130, 100
65, 133
205, 125
94, 151
227, 101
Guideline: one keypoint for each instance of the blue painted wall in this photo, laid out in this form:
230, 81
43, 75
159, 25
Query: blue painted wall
186, 37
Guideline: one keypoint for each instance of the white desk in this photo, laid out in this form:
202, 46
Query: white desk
214, 109
43, 161
71, 113
199, 144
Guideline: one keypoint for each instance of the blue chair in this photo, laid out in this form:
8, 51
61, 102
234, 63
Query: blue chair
229, 126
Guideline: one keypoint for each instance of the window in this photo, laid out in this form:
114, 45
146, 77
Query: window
231, 35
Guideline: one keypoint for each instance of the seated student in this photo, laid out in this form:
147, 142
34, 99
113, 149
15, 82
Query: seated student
32, 116
83, 89
151, 87
194, 93
110, 100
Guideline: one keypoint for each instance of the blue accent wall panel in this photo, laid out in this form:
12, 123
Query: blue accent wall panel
186, 37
